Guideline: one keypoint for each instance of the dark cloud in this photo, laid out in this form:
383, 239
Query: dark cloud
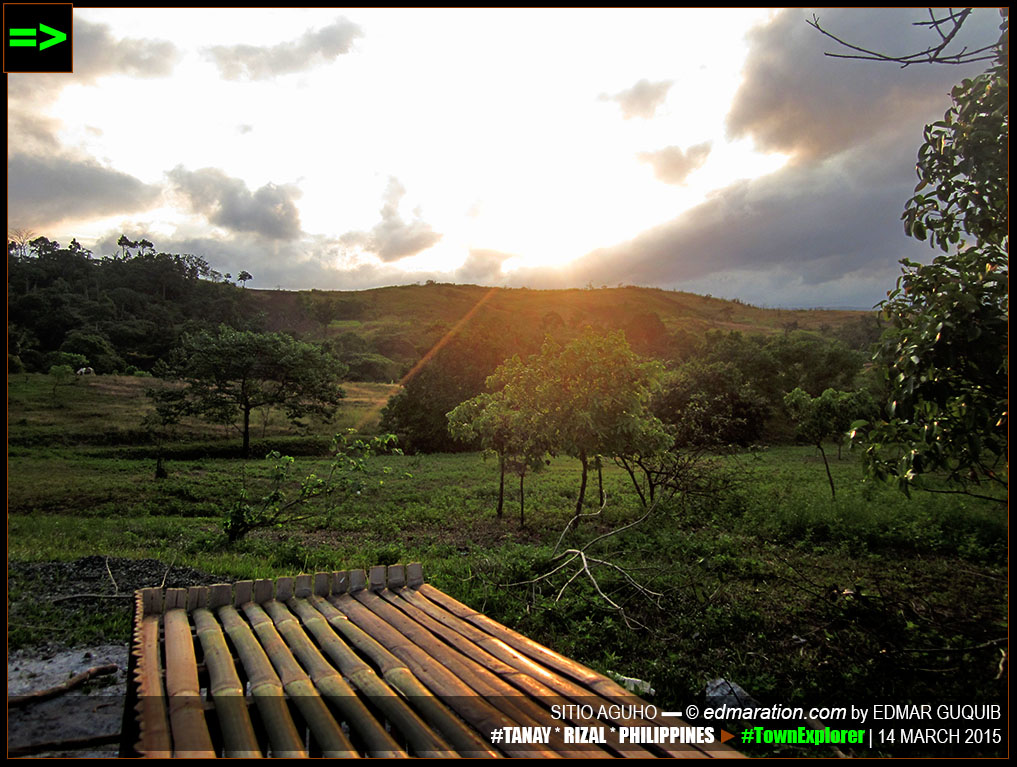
482, 267
43, 191
227, 202
393, 238
815, 225
672, 166
794, 99
313, 48
641, 100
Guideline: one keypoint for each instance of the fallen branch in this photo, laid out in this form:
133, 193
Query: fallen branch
51, 692
72, 744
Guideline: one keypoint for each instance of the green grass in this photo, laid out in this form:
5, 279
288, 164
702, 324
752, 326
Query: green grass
773, 584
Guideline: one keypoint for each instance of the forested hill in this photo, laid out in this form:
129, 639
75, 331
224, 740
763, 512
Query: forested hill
123, 313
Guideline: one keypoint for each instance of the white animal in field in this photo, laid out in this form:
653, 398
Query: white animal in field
85, 372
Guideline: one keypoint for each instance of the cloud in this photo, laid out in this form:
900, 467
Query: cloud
227, 202
482, 267
313, 48
672, 166
393, 238
795, 100
43, 191
641, 100
98, 53
819, 223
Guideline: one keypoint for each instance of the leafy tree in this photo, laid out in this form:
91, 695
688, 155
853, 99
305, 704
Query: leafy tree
453, 373
945, 356
827, 416
508, 427
61, 375
243, 277
230, 373
711, 404
585, 399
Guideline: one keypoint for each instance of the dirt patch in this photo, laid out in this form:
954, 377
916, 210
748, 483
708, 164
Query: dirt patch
100, 586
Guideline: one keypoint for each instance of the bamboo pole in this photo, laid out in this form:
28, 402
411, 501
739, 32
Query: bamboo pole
153, 719
515, 659
599, 683
186, 708
396, 673
331, 685
226, 689
264, 686
423, 741
449, 681
325, 729
510, 700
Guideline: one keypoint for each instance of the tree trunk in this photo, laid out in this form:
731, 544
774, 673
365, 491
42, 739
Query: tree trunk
600, 480
522, 519
247, 432
582, 487
501, 484
829, 476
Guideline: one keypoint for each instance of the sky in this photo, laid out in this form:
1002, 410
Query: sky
713, 151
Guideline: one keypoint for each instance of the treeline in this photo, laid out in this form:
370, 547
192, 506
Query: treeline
719, 388
120, 313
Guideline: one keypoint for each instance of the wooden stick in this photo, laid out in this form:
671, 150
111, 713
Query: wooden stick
51, 692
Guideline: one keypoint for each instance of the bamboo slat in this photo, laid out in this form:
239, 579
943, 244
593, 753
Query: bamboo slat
331, 685
226, 689
396, 673
153, 719
354, 663
326, 730
186, 708
264, 686
423, 742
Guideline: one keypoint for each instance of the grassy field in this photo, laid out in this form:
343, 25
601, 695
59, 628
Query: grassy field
798, 598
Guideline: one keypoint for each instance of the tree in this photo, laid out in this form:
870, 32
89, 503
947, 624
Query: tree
510, 428
827, 416
945, 356
586, 399
230, 373
243, 277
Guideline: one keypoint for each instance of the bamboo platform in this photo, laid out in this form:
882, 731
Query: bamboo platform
352, 664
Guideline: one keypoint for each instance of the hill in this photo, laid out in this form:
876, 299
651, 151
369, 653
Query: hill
402, 323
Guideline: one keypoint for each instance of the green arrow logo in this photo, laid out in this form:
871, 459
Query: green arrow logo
20, 37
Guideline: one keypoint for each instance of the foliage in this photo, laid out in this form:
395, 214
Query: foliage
711, 403
232, 372
127, 308
946, 354
61, 375
506, 426
827, 416
585, 399
282, 504
452, 373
